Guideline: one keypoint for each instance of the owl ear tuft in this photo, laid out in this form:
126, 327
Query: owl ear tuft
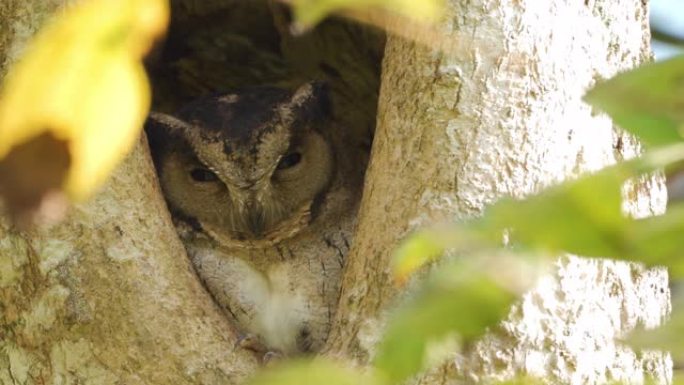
170, 124
311, 102
161, 128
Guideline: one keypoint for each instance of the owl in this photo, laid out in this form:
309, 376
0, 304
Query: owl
264, 192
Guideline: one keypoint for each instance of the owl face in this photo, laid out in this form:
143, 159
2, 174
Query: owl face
244, 164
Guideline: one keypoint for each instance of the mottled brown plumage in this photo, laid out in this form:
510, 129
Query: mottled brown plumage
266, 193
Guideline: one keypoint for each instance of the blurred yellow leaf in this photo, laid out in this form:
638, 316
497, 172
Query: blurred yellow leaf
81, 85
428, 245
418, 250
309, 12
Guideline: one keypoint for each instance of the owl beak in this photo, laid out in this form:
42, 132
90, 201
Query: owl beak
255, 219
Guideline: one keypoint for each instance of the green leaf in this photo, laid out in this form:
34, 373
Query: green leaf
678, 377
463, 298
646, 101
315, 372
582, 217
658, 240
666, 337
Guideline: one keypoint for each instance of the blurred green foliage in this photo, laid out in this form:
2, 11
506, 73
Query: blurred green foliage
462, 298
646, 102
316, 372
583, 216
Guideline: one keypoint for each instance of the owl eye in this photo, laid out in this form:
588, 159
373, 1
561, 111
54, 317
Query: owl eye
203, 175
289, 160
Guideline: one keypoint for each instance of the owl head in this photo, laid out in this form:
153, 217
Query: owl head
245, 165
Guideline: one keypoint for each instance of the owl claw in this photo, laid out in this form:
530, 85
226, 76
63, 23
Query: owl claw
271, 357
251, 342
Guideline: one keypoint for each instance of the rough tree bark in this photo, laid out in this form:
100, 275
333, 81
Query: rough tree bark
108, 296
506, 118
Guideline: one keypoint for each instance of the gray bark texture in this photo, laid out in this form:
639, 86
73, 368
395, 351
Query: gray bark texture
109, 297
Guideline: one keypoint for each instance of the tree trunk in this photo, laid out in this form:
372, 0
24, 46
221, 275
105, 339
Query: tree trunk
109, 296
459, 131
